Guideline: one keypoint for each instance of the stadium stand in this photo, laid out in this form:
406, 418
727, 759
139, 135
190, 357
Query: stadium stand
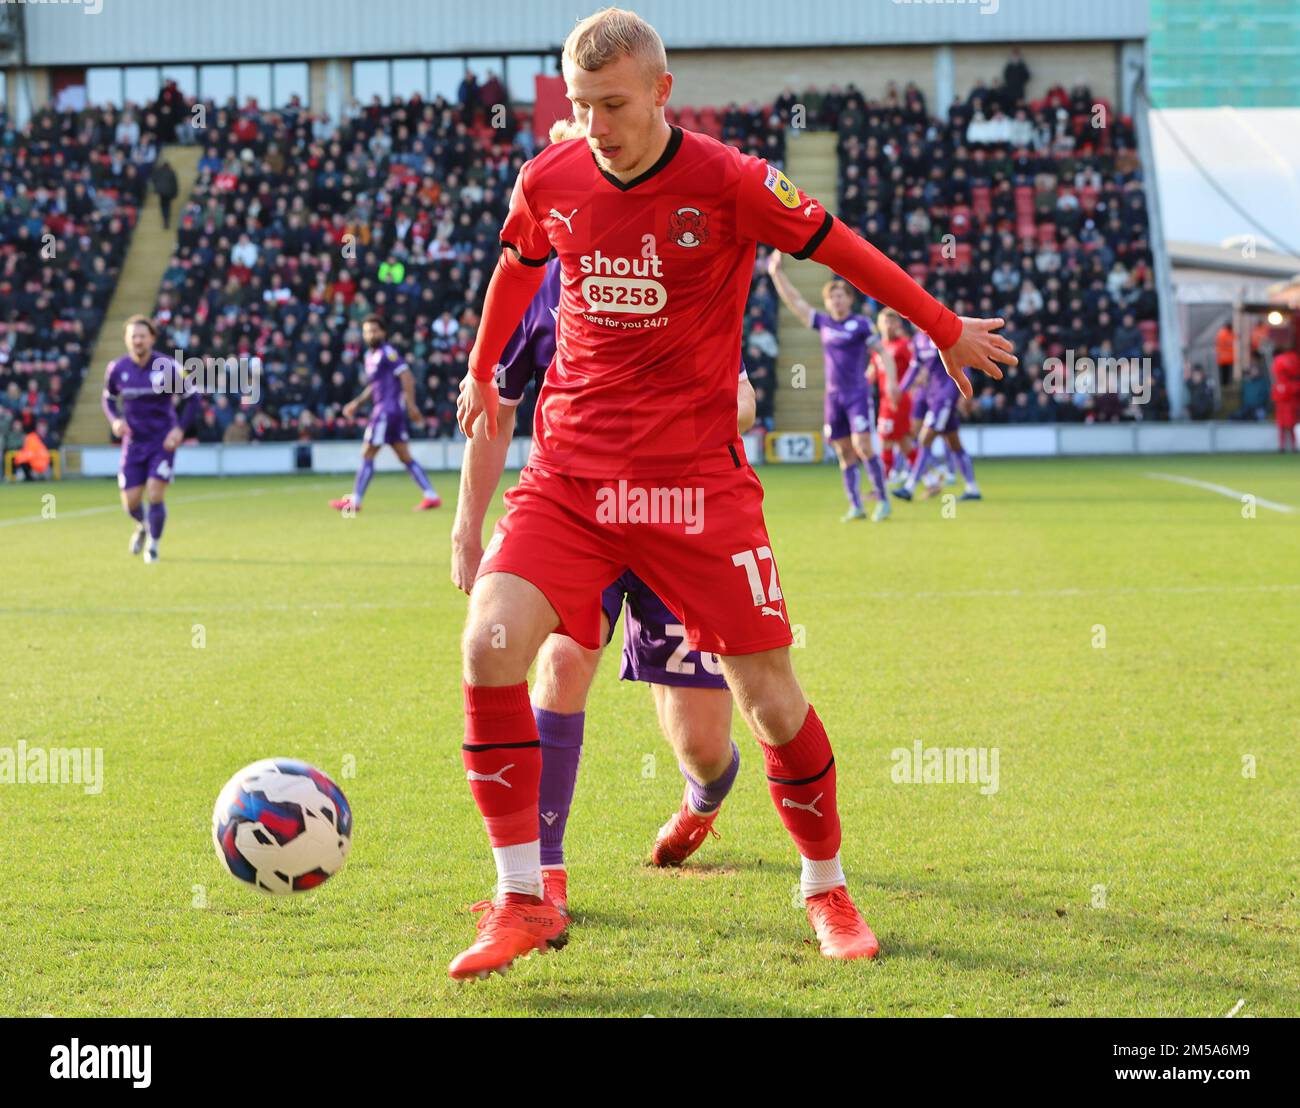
297, 228
71, 187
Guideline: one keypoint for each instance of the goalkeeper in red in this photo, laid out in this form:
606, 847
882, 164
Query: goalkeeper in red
637, 463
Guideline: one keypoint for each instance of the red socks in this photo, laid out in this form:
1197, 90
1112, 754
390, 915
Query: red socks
503, 760
801, 779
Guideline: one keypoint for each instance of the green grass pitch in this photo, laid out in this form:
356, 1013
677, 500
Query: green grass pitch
1131, 861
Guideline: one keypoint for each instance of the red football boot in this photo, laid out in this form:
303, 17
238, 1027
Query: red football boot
682, 836
434, 501
555, 890
512, 929
840, 927
343, 503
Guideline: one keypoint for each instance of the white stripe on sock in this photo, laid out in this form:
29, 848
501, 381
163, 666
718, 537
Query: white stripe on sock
519, 868
820, 876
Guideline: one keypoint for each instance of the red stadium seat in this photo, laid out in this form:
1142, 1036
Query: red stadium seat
1088, 200
982, 201
1150, 330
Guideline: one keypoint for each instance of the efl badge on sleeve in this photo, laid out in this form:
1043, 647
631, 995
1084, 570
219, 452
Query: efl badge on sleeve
780, 186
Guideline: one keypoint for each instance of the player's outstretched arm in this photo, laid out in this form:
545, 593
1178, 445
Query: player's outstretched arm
413, 412
786, 290
108, 401
350, 408
514, 284
962, 341
480, 473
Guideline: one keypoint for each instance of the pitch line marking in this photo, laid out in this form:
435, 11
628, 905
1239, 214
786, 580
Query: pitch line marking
1222, 490
420, 605
101, 509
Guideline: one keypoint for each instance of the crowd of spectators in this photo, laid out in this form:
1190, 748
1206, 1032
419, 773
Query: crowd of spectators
71, 185
300, 226
1029, 210
297, 230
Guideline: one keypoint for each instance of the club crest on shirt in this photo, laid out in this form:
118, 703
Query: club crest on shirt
687, 227
780, 186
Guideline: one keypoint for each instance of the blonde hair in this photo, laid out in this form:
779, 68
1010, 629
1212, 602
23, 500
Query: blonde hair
610, 34
563, 129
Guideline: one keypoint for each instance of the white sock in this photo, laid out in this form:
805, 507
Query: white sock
519, 868
820, 876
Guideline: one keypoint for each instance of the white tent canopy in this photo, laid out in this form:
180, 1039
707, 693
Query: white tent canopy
1252, 156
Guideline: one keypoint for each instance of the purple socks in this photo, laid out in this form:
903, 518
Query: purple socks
877, 474
157, 517
136, 513
364, 474
706, 799
419, 477
966, 466
918, 467
561, 737
852, 476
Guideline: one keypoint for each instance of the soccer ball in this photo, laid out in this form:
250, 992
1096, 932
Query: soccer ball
282, 826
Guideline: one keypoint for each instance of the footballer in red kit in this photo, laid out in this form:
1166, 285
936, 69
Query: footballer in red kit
637, 464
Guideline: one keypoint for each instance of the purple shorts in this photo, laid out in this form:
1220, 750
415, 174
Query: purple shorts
940, 413
142, 461
847, 414
387, 429
920, 408
654, 643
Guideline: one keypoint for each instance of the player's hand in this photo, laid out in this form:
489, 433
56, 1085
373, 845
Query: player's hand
349, 409
774, 263
466, 554
477, 398
415, 416
979, 347
174, 438
119, 428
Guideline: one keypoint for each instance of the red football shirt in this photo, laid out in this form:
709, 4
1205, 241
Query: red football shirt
655, 274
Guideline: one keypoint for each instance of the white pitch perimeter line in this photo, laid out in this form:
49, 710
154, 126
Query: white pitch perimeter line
1222, 490
178, 500
967, 594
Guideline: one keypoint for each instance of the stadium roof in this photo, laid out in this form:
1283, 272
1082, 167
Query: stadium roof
161, 31
1229, 178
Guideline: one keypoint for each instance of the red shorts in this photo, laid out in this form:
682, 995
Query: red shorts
895, 421
699, 542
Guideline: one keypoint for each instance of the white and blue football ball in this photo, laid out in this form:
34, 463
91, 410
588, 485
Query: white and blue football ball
282, 826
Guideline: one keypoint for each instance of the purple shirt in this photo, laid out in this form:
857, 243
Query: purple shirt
384, 369
148, 396
939, 388
844, 342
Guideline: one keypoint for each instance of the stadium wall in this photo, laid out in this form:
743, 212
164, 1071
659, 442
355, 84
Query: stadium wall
717, 77
96, 32
442, 455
